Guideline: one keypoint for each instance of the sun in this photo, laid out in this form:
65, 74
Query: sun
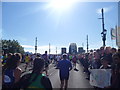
60, 5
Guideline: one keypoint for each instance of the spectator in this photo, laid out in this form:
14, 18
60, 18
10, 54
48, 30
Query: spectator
113, 50
104, 62
115, 80
108, 54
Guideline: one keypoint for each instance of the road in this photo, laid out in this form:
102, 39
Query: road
76, 79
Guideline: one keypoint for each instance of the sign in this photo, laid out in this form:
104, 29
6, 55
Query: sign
100, 77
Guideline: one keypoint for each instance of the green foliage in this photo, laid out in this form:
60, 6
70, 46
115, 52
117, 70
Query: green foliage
12, 46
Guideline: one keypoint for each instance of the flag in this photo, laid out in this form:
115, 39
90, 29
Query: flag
113, 34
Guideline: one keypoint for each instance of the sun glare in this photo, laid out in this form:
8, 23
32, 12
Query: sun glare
60, 5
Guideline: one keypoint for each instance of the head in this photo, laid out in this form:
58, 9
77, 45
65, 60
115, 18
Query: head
102, 50
113, 50
18, 57
108, 50
38, 65
119, 50
96, 55
64, 56
104, 61
13, 61
45, 52
116, 57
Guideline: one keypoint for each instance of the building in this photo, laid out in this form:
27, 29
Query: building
81, 50
73, 48
63, 50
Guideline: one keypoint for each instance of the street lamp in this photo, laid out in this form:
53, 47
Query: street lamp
104, 36
104, 32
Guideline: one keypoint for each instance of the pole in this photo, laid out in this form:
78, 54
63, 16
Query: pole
104, 31
87, 44
36, 46
49, 48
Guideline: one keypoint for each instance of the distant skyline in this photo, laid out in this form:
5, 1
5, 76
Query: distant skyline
24, 21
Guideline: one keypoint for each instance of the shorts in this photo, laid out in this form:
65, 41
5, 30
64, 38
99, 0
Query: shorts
64, 78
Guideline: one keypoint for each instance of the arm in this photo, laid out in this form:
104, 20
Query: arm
46, 83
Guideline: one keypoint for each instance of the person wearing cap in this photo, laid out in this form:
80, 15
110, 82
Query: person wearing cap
104, 62
64, 67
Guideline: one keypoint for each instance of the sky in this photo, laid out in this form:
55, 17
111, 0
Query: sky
58, 24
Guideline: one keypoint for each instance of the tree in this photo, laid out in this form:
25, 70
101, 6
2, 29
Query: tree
12, 46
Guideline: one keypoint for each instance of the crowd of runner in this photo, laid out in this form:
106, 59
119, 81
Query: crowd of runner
103, 58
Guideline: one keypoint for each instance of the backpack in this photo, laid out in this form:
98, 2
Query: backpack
24, 81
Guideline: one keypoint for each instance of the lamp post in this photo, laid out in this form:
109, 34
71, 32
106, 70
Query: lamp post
104, 32
87, 44
36, 46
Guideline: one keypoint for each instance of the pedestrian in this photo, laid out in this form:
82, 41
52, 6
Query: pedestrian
64, 67
36, 79
11, 73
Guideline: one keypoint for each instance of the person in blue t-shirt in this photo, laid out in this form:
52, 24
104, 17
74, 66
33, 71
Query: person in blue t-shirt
64, 67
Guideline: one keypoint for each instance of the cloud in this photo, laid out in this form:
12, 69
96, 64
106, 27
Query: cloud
42, 49
27, 46
106, 9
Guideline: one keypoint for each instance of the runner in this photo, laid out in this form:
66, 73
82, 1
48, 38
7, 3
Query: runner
11, 73
45, 57
64, 67
74, 61
36, 80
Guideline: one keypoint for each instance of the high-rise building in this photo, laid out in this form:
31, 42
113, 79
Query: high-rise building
73, 48
63, 50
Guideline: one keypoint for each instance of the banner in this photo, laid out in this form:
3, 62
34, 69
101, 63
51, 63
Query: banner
100, 77
113, 34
